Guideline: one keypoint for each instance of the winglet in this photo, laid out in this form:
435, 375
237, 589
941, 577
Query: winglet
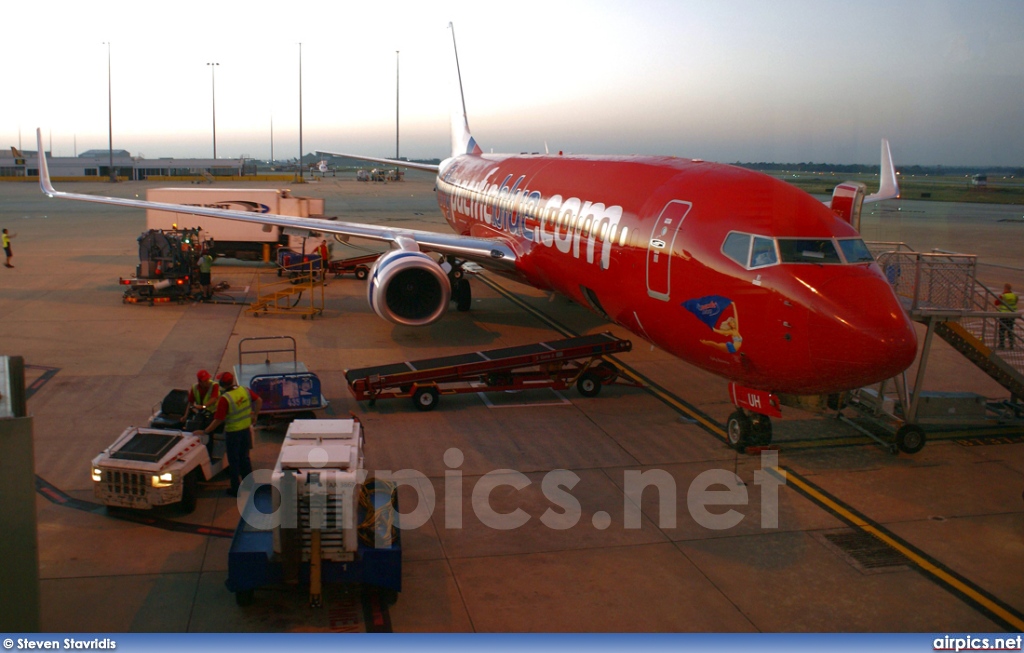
44, 168
462, 141
888, 186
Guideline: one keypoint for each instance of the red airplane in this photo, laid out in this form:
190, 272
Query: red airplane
668, 248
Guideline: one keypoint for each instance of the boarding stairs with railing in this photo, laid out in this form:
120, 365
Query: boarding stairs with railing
941, 290
281, 290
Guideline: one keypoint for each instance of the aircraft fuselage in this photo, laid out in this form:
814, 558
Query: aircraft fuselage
729, 269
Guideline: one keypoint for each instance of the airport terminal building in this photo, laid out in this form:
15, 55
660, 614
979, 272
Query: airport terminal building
95, 164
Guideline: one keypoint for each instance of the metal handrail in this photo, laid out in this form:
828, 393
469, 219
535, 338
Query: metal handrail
945, 285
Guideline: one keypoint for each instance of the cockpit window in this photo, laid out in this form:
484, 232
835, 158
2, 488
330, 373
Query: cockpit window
807, 250
763, 252
752, 251
855, 251
737, 247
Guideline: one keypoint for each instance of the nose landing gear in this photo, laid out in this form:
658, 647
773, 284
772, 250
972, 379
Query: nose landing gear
751, 424
748, 431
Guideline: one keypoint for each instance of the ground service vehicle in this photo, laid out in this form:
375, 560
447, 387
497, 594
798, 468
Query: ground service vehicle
357, 265
233, 239
168, 266
318, 520
284, 383
556, 364
151, 467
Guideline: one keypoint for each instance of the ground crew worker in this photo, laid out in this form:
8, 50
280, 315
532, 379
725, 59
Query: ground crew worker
203, 394
205, 266
7, 247
325, 259
1006, 303
237, 409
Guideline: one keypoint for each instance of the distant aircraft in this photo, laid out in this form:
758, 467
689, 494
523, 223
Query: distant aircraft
729, 269
322, 167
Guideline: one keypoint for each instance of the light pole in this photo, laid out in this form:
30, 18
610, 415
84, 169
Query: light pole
396, 105
213, 82
110, 119
301, 172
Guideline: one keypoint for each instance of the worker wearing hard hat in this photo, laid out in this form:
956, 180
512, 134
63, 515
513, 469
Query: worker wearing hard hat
205, 265
202, 395
237, 409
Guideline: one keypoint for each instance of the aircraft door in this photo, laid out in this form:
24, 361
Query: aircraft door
660, 248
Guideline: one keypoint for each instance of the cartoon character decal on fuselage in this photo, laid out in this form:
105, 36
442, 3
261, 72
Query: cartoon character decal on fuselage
721, 316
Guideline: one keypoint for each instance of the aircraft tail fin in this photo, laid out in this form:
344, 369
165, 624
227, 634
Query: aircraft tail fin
462, 141
888, 186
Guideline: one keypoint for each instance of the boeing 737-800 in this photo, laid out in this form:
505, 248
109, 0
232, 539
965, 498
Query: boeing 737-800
669, 248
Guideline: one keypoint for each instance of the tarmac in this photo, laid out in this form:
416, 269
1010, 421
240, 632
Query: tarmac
943, 529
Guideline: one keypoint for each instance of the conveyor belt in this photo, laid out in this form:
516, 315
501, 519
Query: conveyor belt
590, 345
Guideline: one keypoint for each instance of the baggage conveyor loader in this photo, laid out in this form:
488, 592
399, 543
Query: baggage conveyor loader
557, 364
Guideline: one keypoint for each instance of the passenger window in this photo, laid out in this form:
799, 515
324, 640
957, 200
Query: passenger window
808, 250
737, 247
763, 253
855, 251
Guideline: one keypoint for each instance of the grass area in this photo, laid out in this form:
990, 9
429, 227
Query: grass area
937, 189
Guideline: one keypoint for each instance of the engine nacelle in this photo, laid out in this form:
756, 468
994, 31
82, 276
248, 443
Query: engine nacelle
409, 288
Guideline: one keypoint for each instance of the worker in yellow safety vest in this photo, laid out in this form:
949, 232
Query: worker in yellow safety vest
203, 394
205, 264
237, 409
7, 247
1006, 303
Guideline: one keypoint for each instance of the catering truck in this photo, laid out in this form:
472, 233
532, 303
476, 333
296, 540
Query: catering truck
232, 238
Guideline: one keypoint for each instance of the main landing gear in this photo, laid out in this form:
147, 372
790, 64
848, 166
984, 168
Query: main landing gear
462, 293
745, 429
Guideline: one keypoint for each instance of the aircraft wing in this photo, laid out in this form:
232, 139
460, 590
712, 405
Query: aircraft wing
491, 253
429, 167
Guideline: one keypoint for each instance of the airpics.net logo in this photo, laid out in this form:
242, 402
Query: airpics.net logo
711, 497
975, 643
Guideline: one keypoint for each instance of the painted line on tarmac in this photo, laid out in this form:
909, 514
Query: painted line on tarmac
56, 496
970, 593
44, 378
688, 410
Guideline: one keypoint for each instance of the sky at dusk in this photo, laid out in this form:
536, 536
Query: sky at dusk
782, 80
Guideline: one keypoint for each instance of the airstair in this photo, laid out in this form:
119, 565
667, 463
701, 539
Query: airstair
290, 290
941, 291
204, 175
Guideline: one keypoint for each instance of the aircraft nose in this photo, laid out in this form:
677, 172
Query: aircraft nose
867, 337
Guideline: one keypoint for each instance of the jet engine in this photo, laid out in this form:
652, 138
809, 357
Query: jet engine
408, 287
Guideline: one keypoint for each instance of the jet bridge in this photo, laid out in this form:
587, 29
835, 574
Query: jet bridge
941, 290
